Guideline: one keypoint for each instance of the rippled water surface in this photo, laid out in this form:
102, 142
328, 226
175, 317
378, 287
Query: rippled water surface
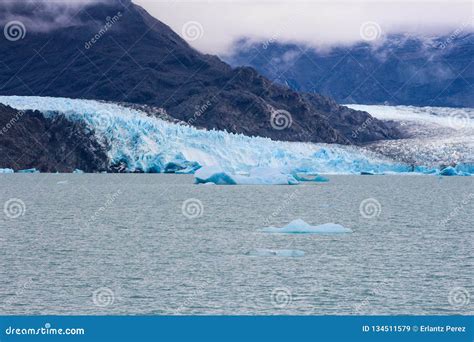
120, 244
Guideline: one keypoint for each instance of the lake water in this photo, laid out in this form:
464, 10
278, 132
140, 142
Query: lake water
122, 244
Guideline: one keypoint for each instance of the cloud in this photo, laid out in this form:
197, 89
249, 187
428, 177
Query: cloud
318, 23
43, 15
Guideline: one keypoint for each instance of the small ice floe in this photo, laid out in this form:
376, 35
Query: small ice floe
6, 171
275, 252
257, 176
451, 171
77, 171
62, 182
304, 177
301, 227
33, 170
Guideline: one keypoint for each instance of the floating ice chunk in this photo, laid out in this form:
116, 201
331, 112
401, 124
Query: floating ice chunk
302, 177
257, 176
448, 171
301, 227
213, 174
77, 171
6, 171
62, 182
33, 170
276, 252
181, 165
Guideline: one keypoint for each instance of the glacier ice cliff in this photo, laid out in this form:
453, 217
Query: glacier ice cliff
136, 142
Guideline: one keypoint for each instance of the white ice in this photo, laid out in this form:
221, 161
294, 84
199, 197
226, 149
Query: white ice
301, 227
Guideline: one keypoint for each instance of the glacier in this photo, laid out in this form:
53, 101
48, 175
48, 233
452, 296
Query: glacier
142, 143
436, 136
149, 144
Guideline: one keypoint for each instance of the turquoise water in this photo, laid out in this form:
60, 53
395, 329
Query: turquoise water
124, 244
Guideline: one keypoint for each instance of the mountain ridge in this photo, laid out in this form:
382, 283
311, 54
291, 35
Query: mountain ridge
139, 59
400, 69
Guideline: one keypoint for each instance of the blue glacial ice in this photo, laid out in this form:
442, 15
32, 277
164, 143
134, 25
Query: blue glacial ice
301, 227
276, 252
148, 144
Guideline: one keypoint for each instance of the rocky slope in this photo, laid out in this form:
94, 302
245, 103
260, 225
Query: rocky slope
29, 140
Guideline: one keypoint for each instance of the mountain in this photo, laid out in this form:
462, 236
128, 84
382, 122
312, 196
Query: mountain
116, 51
30, 140
398, 70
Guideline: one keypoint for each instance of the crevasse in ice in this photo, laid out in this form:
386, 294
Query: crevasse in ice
148, 144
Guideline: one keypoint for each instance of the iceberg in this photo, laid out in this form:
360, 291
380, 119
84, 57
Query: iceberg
301, 227
448, 171
78, 171
213, 174
301, 177
275, 252
33, 170
6, 171
257, 176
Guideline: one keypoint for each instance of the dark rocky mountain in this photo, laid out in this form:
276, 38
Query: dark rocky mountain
399, 70
116, 51
29, 140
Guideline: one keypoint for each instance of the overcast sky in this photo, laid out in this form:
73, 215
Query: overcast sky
212, 26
